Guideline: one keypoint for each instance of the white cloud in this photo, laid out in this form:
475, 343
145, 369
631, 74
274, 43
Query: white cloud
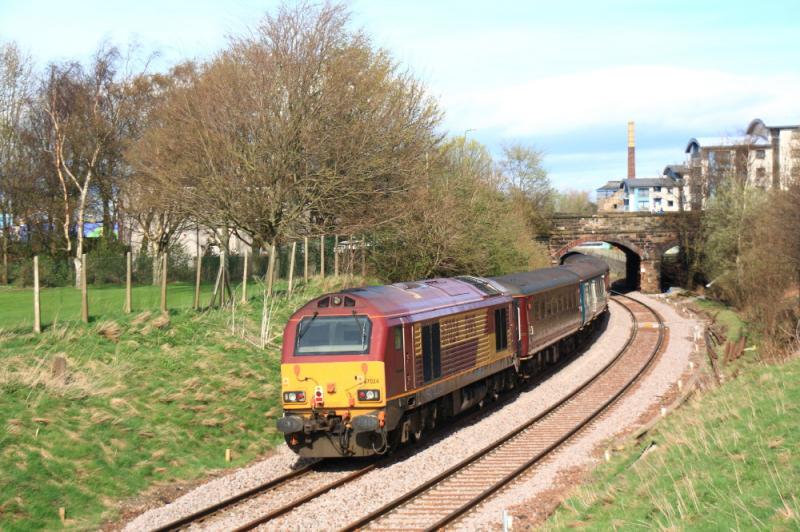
665, 96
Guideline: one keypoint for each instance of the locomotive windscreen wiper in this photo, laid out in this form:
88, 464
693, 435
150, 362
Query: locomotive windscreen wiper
363, 327
304, 331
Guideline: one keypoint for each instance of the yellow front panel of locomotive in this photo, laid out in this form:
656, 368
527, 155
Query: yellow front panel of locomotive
338, 381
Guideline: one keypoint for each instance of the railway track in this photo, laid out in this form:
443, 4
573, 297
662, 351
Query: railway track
434, 504
297, 487
448, 497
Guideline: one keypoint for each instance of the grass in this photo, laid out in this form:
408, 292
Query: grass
64, 303
732, 323
146, 401
727, 461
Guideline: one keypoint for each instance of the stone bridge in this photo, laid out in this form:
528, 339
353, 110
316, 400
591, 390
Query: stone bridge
643, 237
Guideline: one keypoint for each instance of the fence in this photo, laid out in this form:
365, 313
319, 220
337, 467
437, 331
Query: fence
106, 283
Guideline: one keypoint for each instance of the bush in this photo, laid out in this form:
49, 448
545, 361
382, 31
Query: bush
106, 263
52, 272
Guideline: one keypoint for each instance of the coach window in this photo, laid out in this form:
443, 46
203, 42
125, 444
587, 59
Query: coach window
500, 329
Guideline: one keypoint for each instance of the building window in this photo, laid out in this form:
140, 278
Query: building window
670, 203
760, 154
643, 205
656, 189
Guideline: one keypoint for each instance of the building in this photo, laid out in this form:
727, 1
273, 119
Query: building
764, 156
650, 194
609, 197
656, 194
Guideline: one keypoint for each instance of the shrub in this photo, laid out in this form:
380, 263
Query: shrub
52, 272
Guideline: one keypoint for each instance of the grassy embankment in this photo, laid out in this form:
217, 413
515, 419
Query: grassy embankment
145, 402
725, 461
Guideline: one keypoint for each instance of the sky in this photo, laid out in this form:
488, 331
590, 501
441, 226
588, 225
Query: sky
562, 77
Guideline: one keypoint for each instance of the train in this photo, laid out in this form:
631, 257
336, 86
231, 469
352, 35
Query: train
365, 370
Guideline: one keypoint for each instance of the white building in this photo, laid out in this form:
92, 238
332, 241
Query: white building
764, 156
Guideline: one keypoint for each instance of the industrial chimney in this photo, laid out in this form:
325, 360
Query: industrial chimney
631, 152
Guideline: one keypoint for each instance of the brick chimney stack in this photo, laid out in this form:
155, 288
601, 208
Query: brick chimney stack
631, 152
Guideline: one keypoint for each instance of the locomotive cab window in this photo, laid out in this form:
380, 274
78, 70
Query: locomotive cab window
500, 329
333, 335
398, 338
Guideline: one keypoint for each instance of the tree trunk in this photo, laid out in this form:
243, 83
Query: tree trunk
108, 223
156, 254
79, 242
5, 248
271, 269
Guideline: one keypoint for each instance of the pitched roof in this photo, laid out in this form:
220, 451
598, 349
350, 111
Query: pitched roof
649, 182
611, 185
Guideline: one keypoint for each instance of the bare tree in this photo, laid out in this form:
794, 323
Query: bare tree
85, 108
15, 90
458, 220
299, 126
528, 184
159, 217
574, 202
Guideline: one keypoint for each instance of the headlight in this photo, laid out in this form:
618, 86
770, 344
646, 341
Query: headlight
294, 397
369, 395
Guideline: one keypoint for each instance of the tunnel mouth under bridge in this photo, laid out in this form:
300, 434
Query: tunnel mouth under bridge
624, 263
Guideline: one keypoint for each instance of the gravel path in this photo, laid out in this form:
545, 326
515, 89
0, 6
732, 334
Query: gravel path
343, 505
582, 452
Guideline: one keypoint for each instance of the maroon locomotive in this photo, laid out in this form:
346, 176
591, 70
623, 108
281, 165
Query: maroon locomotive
366, 369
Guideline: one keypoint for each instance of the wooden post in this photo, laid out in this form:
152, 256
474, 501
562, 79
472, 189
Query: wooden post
291, 266
84, 291
37, 308
197, 281
322, 256
363, 256
305, 259
271, 270
164, 283
225, 281
244, 279
223, 273
335, 255
127, 308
